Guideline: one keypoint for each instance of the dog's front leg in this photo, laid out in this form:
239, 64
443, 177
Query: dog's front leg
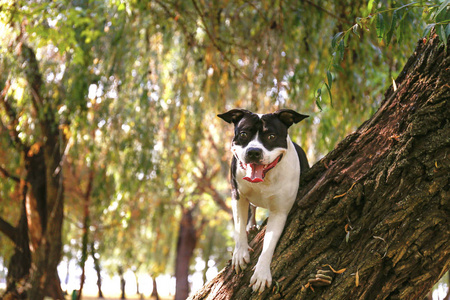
262, 276
241, 255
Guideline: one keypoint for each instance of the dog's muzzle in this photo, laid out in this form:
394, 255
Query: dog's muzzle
255, 172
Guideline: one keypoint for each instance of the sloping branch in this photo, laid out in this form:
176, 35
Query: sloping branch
7, 229
205, 185
8, 175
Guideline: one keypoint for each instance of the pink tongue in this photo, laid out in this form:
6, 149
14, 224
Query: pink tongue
254, 173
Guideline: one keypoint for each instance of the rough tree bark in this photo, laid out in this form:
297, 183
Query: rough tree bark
377, 207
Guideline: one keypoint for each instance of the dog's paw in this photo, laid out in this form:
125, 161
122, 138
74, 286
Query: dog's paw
241, 258
261, 278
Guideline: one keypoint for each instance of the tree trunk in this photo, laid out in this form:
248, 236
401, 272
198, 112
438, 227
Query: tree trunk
84, 249
122, 283
45, 177
187, 240
97, 270
377, 208
85, 236
20, 263
154, 295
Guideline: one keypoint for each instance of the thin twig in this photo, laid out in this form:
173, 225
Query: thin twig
327, 12
213, 41
8, 175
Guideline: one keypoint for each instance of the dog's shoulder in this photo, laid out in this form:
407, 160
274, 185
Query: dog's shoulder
304, 165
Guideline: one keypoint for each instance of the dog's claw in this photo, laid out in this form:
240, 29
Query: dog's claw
241, 258
260, 279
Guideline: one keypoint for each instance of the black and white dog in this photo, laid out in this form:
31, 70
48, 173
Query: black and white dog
265, 172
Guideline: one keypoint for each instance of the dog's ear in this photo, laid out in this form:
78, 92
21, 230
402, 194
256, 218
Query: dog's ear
234, 115
289, 117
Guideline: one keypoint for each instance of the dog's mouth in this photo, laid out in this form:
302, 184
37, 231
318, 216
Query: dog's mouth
256, 172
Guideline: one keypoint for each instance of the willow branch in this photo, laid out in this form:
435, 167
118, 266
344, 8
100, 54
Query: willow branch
327, 12
213, 41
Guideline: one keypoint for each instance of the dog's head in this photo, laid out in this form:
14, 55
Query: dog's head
260, 141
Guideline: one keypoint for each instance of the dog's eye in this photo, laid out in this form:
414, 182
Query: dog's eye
243, 134
271, 137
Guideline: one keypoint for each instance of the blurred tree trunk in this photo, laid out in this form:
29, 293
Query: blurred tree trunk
47, 189
44, 188
154, 295
187, 240
97, 270
122, 283
86, 224
20, 262
377, 207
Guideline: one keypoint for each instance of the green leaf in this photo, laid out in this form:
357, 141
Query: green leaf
441, 14
427, 30
329, 94
335, 38
370, 6
330, 79
392, 28
380, 27
318, 105
442, 35
401, 28
347, 34
319, 98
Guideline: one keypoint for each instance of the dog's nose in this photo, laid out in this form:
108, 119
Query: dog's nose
253, 155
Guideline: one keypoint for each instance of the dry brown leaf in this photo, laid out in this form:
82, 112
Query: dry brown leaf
334, 271
342, 195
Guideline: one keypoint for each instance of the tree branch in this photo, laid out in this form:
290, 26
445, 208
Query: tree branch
175, 16
8, 175
213, 41
327, 12
8, 230
204, 185
33, 75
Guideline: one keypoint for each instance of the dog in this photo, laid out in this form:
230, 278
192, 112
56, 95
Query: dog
265, 172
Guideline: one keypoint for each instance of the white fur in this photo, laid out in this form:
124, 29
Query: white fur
276, 193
